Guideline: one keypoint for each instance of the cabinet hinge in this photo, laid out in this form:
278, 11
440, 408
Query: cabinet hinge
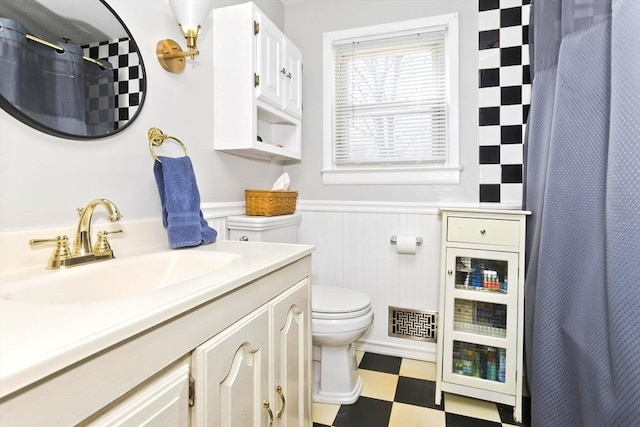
256, 80
256, 27
192, 390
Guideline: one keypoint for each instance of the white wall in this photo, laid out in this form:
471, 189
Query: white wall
307, 20
44, 178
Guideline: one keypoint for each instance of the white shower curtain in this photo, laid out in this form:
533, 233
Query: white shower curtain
583, 186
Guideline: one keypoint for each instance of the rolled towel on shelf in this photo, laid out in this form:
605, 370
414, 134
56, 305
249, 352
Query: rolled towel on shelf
180, 199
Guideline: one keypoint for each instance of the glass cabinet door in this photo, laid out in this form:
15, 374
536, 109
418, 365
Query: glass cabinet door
480, 332
481, 274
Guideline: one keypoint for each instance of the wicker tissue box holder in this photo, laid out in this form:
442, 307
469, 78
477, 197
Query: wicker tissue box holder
270, 203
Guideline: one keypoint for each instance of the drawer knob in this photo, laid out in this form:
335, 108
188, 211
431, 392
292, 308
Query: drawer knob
483, 231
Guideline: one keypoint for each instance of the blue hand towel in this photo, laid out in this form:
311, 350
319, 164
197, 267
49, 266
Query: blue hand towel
180, 199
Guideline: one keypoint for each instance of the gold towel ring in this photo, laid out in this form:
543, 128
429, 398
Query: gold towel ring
156, 137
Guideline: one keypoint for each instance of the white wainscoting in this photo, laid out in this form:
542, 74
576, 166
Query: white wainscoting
353, 250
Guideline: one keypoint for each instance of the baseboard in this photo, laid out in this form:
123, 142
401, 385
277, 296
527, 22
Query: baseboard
393, 349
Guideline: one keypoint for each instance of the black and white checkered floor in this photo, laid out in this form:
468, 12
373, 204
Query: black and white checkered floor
400, 392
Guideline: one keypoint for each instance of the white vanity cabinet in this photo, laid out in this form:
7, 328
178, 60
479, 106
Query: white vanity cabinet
480, 328
213, 362
257, 86
256, 372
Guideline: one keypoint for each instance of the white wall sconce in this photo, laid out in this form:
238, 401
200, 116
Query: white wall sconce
190, 14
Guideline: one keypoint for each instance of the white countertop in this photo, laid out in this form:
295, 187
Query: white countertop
39, 339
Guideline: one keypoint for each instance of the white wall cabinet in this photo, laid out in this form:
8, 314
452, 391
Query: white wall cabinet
279, 68
257, 86
480, 328
256, 373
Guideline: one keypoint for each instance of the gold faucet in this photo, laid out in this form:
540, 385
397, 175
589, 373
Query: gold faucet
82, 243
83, 252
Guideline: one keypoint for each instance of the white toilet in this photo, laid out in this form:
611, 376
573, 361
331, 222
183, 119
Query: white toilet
339, 316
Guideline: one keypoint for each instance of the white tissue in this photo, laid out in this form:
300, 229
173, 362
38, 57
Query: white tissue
281, 183
406, 244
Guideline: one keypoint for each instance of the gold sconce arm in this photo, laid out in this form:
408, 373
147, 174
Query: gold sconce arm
189, 14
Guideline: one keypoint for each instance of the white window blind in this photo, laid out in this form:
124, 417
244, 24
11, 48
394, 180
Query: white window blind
391, 100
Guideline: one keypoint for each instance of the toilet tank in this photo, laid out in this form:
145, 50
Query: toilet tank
276, 229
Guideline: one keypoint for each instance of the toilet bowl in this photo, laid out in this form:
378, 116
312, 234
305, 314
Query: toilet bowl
339, 317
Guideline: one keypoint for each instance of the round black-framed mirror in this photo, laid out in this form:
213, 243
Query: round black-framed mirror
70, 69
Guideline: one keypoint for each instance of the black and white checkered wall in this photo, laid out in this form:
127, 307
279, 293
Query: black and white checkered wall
127, 75
505, 93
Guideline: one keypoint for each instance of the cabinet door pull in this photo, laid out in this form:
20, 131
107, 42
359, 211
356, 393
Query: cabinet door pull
268, 408
284, 403
483, 231
283, 71
289, 75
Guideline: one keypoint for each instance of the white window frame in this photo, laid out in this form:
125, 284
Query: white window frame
442, 173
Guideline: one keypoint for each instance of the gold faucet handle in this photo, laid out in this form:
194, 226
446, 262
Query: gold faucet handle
60, 253
102, 246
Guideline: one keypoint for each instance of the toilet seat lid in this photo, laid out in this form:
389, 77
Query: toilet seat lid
333, 300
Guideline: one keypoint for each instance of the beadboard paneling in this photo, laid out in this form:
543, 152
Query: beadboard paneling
353, 250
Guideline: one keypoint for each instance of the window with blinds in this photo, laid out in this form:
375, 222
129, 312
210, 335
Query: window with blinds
391, 100
391, 103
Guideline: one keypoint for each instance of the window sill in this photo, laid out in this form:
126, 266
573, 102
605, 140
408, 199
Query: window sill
396, 176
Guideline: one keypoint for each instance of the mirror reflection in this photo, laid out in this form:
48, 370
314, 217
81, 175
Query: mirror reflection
69, 68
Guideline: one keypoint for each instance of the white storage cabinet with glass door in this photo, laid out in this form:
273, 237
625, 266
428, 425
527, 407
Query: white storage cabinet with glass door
480, 330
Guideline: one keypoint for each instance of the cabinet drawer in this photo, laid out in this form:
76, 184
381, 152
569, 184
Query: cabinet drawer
480, 230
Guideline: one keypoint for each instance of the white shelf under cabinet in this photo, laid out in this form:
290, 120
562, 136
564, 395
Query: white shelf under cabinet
480, 330
257, 86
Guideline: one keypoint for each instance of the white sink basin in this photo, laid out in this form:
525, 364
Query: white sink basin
117, 278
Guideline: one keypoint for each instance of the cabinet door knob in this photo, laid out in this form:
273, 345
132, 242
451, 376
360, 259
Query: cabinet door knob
289, 75
450, 272
283, 71
483, 231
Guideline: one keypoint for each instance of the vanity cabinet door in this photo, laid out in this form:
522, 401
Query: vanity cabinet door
164, 401
231, 375
292, 356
